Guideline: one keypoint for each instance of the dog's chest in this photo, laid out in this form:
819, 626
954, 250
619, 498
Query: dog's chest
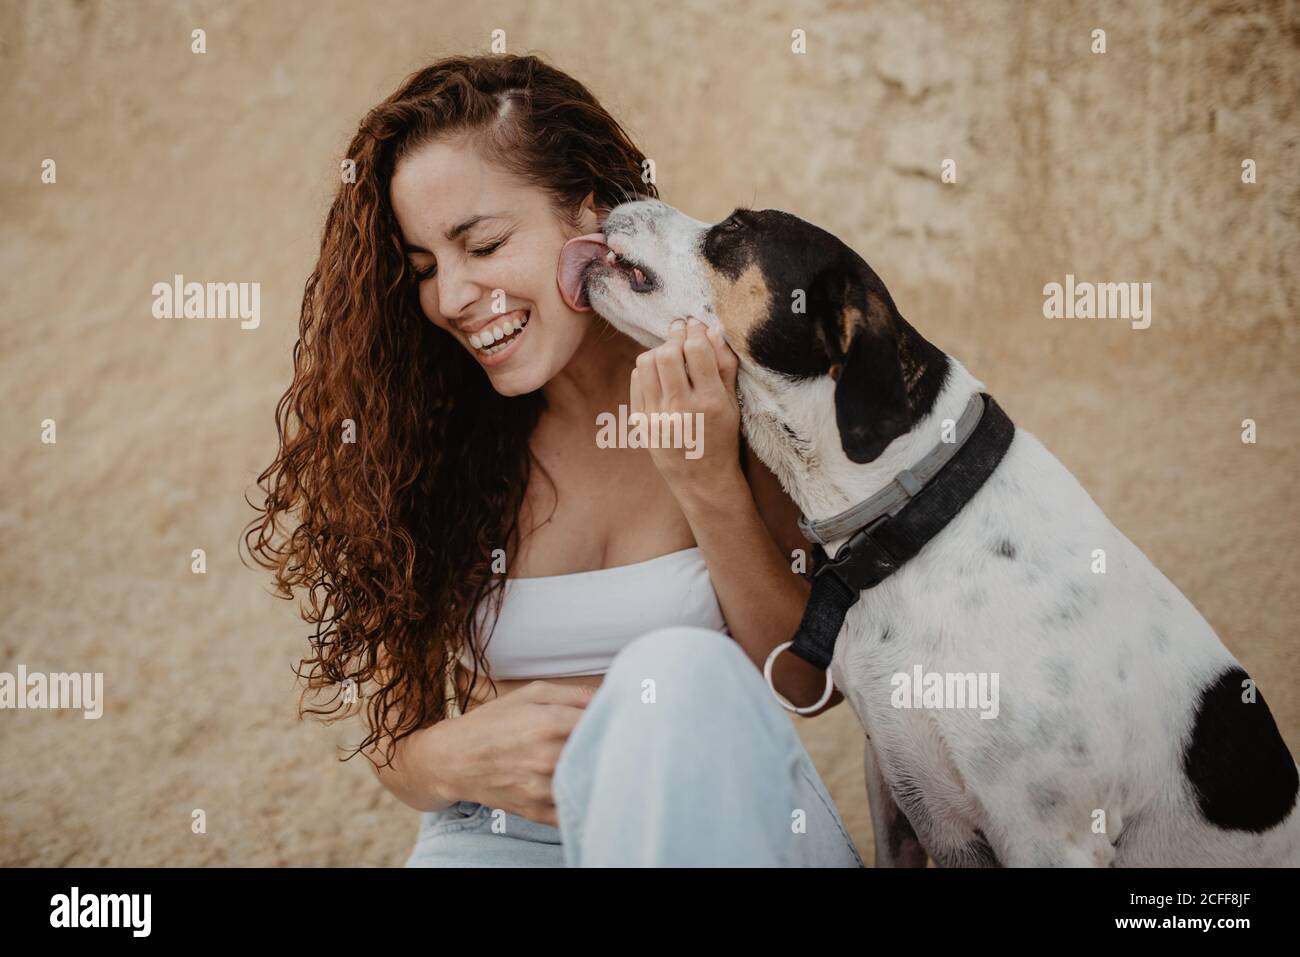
1029, 640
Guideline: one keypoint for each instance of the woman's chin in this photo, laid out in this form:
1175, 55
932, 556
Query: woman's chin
517, 378
507, 386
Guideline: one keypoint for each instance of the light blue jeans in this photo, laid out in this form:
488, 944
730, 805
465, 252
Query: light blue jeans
682, 758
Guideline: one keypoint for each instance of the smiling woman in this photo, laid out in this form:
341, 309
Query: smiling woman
469, 180
491, 273
438, 320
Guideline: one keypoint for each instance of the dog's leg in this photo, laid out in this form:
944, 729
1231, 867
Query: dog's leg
896, 842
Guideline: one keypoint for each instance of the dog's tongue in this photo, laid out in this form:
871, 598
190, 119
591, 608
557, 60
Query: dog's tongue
573, 261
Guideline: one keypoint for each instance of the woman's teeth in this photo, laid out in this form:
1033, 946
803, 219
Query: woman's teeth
490, 339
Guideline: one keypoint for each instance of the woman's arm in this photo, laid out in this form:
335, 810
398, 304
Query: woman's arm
747, 536
501, 753
781, 516
412, 775
746, 550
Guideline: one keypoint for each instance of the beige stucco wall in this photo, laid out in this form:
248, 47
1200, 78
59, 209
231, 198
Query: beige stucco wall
1117, 167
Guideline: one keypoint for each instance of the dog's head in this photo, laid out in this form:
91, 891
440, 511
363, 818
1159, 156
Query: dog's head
797, 305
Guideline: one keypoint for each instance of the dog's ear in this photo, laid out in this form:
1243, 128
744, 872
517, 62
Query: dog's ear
860, 335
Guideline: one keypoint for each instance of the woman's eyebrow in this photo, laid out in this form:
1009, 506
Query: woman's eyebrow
456, 230
470, 222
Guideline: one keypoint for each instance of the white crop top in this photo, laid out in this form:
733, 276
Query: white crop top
563, 625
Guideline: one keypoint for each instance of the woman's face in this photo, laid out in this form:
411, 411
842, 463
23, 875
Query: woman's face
484, 247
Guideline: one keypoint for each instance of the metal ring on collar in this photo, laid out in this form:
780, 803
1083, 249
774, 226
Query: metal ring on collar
767, 674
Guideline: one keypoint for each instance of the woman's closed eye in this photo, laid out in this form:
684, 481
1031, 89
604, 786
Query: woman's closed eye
481, 251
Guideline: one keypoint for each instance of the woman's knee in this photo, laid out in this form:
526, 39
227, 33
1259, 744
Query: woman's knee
704, 682
680, 645
684, 668
681, 655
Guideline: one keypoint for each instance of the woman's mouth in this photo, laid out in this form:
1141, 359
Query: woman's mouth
497, 339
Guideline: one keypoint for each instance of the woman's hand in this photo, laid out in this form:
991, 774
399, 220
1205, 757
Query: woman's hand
692, 373
504, 751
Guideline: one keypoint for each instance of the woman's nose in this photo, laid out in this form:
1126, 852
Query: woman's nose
456, 293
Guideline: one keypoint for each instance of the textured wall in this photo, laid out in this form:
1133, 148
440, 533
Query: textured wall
1124, 166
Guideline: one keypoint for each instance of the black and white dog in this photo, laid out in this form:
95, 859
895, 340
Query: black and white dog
1126, 734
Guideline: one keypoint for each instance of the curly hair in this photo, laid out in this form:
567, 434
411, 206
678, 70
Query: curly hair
399, 491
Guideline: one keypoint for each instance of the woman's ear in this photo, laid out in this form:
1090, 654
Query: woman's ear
871, 406
589, 215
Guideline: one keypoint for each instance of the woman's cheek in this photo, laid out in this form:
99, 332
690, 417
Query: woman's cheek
429, 303
517, 276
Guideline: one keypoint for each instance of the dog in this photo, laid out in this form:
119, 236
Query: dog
1126, 733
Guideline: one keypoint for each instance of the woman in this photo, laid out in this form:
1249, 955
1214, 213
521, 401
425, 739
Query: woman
438, 446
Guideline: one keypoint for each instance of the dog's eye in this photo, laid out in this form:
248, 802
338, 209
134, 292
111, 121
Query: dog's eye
732, 223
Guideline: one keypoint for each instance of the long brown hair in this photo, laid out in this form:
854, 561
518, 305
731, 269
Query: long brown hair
403, 467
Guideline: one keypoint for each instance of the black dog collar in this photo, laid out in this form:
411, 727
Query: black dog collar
903, 488
897, 534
